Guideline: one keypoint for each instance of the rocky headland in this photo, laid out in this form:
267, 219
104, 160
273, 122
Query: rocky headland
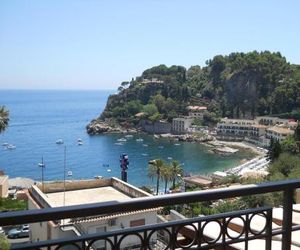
97, 127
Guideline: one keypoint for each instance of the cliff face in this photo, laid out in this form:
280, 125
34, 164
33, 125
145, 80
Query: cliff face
241, 94
238, 85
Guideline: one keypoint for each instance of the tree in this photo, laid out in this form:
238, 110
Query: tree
150, 109
4, 118
289, 145
166, 175
297, 132
154, 171
285, 167
4, 244
274, 150
176, 171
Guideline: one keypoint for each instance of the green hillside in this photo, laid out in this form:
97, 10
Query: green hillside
236, 85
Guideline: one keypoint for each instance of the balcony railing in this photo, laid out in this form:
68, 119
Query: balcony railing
170, 233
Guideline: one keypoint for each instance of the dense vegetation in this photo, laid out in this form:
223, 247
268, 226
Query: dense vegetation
4, 118
238, 85
8, 204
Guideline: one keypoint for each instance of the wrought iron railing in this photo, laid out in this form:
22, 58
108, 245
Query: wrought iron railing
187, 233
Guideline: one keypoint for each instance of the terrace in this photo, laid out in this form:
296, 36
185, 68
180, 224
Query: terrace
189, 233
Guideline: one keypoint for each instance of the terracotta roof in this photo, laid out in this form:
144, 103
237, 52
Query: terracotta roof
281, 130
196, 108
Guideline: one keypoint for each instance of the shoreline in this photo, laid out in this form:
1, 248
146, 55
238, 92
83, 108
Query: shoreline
242, 145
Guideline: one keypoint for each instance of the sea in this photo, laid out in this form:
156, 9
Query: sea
38, 118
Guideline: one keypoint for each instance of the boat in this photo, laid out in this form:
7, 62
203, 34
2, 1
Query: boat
139, 139
128, 136
177, 144
156, 136
59, 141
122, 140
98, 177
170, 158
79, 143
79, 140
119, 143
145, 145
160, 147
11, 146
5, 144
70, 173
108, 170
144, 154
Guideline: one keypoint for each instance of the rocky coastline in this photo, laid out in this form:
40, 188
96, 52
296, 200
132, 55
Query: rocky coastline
98, 127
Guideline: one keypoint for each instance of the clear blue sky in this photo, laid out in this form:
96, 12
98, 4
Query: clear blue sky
93, 44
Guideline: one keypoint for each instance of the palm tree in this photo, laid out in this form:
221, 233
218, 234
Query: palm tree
176, 171
3, 118
166, 175
154, 171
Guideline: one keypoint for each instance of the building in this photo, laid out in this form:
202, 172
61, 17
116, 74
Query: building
196, 111
181, 124
158, 127
234, 129
270, 120
3, 186
152, 80
278, 133
88, 192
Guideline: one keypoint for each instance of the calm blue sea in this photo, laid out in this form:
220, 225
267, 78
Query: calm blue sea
39, 118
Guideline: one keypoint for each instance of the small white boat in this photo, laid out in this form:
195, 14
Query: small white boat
79, 143
98, 177
108, 170
11, 146
160, 147
5, 144
119, 143
70, 173
144, 154
145, 145
122, 140
170, 158
177, 144
79, 140
59, 141
128, 136
156, 136
139, 139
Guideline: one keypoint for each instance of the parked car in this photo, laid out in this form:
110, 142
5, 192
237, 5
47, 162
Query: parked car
21, 231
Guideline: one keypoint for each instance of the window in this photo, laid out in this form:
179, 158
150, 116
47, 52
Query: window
136, 223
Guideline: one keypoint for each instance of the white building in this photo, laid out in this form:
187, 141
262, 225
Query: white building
278, 133
181, 124
86, 192
235, 128
270, 120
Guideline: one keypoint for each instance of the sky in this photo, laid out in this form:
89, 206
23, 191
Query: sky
97, 44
